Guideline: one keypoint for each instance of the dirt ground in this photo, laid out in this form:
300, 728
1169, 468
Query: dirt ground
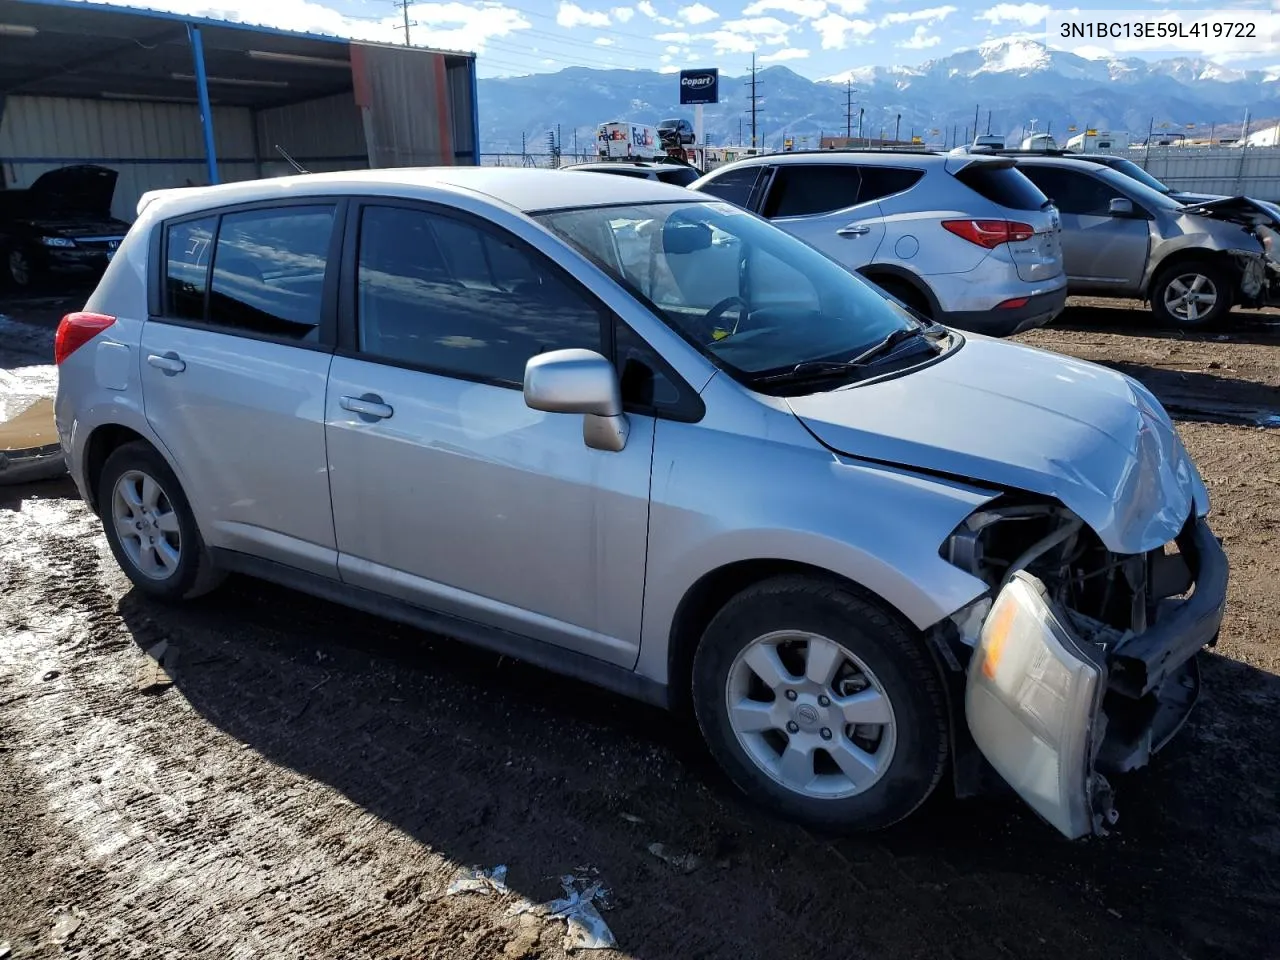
312, 780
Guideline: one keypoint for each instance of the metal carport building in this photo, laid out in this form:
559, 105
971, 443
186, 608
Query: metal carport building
171, 100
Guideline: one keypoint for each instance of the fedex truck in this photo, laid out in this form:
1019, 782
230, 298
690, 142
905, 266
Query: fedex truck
620, 139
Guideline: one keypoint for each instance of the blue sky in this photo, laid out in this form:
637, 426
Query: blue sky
817, 38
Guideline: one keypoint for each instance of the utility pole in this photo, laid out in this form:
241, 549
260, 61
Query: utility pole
988, 124
848, 109
897, 129
755, 98
861, 111
403, 6
975, 126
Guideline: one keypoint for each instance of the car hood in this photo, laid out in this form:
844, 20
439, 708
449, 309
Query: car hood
84, 189
1017, 417
1241, 210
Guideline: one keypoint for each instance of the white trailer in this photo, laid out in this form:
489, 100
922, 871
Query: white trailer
620, 139
1093, 141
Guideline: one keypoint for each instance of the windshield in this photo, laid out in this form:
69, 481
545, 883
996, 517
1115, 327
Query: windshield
750, 296
1137, 190
1131, 169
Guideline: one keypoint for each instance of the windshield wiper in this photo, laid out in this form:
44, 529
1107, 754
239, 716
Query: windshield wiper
820, 369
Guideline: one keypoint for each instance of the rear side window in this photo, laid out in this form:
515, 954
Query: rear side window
800, 190
733, 186
1002, 185
187, 268
268, 271
1074, 192
880, 182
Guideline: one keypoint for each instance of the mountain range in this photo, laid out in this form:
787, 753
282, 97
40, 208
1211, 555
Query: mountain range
1015, 81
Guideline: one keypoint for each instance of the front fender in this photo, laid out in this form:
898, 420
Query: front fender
796, 502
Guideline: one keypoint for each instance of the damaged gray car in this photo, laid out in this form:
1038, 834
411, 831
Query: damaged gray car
1192, 263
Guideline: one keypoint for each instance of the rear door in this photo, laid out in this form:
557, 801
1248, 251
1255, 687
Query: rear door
820, 204
236, 357
1102, 253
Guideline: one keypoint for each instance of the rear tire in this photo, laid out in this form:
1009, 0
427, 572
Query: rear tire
150, 527
1192, 293
820, 705
19, 271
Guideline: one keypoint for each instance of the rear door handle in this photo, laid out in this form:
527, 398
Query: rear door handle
852, 231
169, 362
369, 407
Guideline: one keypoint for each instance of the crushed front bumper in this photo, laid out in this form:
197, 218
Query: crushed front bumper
1054, 712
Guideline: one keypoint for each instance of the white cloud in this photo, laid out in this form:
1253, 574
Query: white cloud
789, 53
698, 13
837, 31
851, 6
669, 68
603, 42
622, 14
927, 15
650, 11
804, 9
678, 36
1092, 53
758, 27
921, 40
1027, 14
449, 25
571, 15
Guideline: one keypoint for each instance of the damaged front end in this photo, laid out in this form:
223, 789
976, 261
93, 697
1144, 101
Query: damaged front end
1083, 660
1259, 269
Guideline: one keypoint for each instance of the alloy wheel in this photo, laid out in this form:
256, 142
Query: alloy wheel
147, 525
1190, 297
810, 714
19, 268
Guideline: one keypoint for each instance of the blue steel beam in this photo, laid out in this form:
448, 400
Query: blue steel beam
206, 111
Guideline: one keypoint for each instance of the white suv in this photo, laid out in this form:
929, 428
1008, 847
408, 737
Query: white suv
967, 241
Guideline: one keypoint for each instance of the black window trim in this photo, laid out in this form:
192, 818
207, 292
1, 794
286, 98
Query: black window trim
689, 408
159, 269
917, 172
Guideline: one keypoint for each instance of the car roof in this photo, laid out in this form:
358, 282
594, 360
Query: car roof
1069, 163
516, 187
629, 164
873, 157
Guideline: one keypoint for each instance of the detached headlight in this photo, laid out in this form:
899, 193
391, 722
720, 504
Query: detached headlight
57, 242
1032, 701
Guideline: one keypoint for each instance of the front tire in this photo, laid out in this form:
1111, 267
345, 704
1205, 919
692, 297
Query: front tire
19, 269
1195, 293
820, 705
150, 527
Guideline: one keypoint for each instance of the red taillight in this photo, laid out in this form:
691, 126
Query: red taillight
1013, 304
990, 233
77, 329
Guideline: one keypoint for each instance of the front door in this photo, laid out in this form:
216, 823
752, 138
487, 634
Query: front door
1101, 253
448, 491
820, 203
234, 367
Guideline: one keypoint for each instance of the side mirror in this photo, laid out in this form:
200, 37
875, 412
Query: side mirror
583, 382
1120, 207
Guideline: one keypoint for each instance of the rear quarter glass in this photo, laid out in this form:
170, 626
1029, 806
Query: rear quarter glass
1005, 186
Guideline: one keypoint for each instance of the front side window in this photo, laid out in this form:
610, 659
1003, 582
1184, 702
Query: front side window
451, 297
802, 190
750, 296
733, 186
269, 269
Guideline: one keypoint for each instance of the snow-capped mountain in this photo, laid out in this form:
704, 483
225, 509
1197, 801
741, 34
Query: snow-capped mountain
1053, 87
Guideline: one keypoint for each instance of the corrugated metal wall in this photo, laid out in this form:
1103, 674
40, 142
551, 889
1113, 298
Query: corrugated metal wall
417, 106
1254, 171
323, 135
150, 144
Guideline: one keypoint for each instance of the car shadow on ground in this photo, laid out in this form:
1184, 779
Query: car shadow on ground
1206, 396
1240, 326
490, 761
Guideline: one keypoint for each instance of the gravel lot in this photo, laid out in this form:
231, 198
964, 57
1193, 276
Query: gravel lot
312, 780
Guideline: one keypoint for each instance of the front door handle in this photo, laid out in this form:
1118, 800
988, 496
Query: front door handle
369, 407
170, 363
852, 231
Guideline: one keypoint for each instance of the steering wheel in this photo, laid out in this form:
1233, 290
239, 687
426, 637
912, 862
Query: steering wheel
714, 313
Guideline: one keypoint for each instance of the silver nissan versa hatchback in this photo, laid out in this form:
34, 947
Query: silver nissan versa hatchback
647, 439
